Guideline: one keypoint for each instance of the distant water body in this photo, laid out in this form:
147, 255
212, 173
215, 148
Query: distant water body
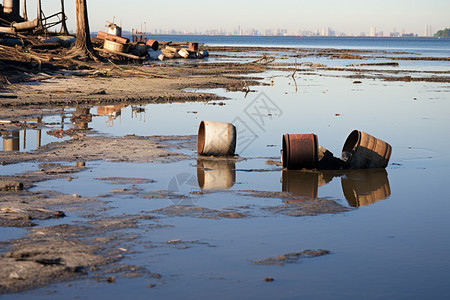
424, 46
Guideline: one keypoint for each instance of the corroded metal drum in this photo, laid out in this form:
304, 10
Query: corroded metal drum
153, 44
363, 151
300, 151
216, 138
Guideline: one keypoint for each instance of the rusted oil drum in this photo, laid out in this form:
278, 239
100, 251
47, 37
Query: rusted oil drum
216, 138
193, 47
300, 151
111, 37
363, 151
216, 174
115, 47
140, 49
365, 187
153, 44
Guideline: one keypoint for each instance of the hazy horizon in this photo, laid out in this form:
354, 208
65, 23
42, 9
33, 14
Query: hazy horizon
350, 16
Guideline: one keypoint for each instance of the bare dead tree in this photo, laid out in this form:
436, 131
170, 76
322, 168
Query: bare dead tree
25, 15
63, 24
83, 45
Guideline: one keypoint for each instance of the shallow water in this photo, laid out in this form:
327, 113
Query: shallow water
391, 243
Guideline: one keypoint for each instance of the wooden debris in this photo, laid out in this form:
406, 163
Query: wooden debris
6, 185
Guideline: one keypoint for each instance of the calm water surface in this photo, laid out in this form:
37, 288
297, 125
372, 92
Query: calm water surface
392, 243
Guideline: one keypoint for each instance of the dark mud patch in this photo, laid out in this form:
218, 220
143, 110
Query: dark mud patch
290, 258
272, 162
22, 209
47, 171
126, 180
129, 148
164, 194
297, 206
178, 142
392, 64
416, 79
182, 245
14, 217
199, 212
64, 252
307, 207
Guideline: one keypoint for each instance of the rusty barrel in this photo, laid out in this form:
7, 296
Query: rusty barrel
300, 151
115, 47
112, 38
363, 151
153, 44
193, 47
216, 138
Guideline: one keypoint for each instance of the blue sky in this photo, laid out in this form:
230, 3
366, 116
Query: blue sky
350, 16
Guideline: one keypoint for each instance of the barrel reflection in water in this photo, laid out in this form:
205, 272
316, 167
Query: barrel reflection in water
215, 174
303, 183
360, 187
11, 141
365, 187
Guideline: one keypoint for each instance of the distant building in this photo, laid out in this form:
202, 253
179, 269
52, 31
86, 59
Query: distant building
373, 32
429, 32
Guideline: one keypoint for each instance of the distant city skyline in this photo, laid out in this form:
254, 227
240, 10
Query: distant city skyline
428, 31
349, 17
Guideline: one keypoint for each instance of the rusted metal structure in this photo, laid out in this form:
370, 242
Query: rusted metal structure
11, 21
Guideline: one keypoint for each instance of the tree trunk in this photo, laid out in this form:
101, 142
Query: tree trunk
25, 15
63, 25
83, 43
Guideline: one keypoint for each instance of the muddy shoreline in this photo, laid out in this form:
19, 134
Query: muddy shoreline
97, 84
95, 246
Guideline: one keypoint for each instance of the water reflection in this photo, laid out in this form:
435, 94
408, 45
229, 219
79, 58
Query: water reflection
365, 187
11, 140
303, 183
215, 174
360, 187
111, 111
81, 118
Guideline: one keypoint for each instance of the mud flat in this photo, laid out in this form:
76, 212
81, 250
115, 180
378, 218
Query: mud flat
89, 241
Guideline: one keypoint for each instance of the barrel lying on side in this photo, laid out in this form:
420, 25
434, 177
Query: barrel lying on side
300, 151
216, 138
363, 151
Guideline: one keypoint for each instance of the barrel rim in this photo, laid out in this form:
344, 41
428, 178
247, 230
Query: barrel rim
285, 150
201, 136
